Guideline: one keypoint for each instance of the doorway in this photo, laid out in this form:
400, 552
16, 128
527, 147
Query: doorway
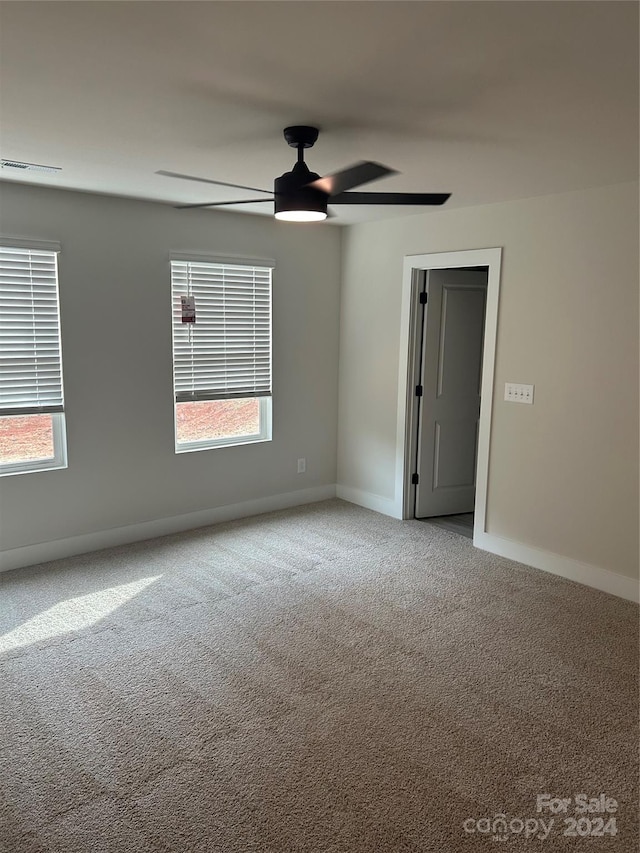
448, 336
449, 393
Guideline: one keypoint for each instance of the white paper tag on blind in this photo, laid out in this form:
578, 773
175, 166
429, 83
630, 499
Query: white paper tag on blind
188, 309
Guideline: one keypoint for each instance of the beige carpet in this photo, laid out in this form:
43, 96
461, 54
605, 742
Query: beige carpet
319, 680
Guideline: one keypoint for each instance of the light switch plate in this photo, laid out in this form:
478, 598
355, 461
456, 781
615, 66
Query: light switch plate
518, 393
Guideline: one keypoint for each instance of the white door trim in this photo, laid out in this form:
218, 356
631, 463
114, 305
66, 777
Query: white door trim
405, 433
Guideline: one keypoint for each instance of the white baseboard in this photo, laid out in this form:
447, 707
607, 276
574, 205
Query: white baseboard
369, 500
565, 567
30, 555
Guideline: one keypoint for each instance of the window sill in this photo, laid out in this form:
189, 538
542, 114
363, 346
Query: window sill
34, 468
193, 447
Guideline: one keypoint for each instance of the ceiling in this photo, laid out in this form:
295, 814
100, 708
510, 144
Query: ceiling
488, 101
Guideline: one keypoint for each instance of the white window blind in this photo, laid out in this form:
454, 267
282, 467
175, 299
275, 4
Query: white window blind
226, 353
30, 355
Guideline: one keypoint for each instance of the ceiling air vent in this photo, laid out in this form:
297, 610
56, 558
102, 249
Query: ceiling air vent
17, 166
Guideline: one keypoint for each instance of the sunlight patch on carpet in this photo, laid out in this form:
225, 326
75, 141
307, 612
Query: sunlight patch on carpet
73, 614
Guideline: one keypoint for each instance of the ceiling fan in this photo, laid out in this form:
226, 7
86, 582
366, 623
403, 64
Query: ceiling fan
302, 195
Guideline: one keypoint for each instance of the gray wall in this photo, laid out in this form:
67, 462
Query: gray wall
563, 473
116, 338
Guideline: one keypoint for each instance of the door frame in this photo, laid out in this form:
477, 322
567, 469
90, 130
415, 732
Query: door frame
414, 271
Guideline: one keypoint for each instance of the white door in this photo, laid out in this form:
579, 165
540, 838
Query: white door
451, 371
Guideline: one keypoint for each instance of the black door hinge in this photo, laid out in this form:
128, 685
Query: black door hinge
418, 390
424, 297
415, 479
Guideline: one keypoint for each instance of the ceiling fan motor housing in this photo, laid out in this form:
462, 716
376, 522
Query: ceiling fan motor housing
292, 193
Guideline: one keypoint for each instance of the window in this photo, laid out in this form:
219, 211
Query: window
32, 430
222, 356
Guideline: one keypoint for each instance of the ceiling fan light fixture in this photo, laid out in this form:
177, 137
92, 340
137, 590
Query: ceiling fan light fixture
301, 215
297, 202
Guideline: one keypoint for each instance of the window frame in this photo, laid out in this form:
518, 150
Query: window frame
265, 413
58, 460
58, 421
265, 433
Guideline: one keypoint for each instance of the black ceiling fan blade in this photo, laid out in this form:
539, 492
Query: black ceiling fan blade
209, 181
352, 176
222, 203
390, 198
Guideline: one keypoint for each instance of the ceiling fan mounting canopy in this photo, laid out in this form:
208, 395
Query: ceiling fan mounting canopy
302, 195
301, 134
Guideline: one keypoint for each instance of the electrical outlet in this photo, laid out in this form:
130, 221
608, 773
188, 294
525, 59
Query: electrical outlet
302, 466
517, 393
